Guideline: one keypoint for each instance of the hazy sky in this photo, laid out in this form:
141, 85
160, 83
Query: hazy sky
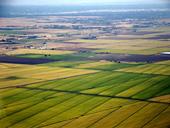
60, 2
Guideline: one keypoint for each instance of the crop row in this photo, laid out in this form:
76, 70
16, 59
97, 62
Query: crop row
149, 69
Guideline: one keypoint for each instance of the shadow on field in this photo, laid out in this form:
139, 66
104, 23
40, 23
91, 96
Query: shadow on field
91, 94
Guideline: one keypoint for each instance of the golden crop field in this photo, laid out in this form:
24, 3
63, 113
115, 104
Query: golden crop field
164, 62
36, 51
16, 74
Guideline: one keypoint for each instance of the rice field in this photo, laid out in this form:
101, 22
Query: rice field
82, 96
162, 69
18, 74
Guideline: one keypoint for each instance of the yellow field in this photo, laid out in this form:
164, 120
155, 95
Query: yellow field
114, 118
162, 121
164, 62
142, 117
165, 98
125, 44
149, 69
16, 74
136, 46
94, 64
36, 51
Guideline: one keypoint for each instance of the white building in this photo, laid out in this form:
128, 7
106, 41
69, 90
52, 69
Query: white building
165, 53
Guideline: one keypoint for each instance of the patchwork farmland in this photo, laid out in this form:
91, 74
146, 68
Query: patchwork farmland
85, 95
100, 66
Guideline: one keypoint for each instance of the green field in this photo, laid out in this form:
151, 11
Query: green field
84, 94
64, 57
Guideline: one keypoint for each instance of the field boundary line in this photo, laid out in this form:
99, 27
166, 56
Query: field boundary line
102, 117
87, 112
151, 86
61, 113
155, 117
142, 73
131, 115
22, 85
99, 95
42, 110
84, 115
132, 85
